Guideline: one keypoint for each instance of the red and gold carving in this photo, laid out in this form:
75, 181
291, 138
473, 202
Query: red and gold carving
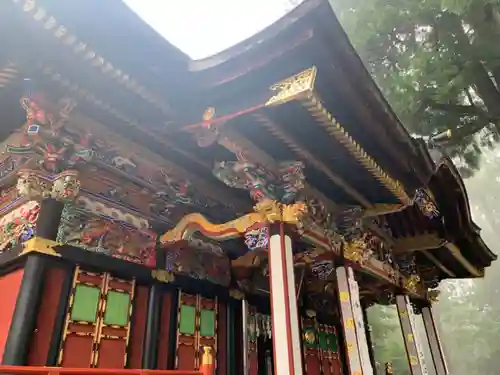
266, 211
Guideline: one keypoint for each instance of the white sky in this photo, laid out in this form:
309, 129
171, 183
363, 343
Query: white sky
202, 28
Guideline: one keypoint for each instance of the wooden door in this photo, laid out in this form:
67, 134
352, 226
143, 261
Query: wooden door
196, 328
328, 346
310, 338
97, 327
114, 329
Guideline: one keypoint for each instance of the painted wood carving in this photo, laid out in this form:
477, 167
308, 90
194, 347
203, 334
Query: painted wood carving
266, 211
200, 262
18, 226
106, 235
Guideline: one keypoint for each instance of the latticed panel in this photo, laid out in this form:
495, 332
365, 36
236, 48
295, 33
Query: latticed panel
82, 320
114, 328
97, 326
328, 347
196, 327
207, 326
310, 337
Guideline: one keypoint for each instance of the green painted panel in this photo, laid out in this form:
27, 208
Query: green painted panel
333, 343
117, 308
207, 322
85, 303
187, 325
323, 340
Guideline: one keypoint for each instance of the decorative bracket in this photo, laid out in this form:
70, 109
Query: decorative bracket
41, 245
35, 185
298, 86
162, 276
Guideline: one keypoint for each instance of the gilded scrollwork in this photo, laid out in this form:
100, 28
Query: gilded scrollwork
433, 295
292, 88
358, 250
411, 283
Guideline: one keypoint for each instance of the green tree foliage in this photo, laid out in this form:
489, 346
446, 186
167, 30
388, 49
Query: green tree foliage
437, 63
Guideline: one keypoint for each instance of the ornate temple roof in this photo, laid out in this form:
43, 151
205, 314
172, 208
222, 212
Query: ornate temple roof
356, 152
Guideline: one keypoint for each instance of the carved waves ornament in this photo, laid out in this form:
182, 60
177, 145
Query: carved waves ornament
106, 235
111, 213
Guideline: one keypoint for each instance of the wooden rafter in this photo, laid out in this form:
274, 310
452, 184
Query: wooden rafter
440, 265
424, 241
455, 251
279, 132
71, 44
377, 131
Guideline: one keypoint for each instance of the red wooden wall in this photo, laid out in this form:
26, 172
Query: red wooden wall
138, 327
222, 339
164, 341
47, 312
9, 285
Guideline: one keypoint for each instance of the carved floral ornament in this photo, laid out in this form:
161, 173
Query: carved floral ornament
35, 185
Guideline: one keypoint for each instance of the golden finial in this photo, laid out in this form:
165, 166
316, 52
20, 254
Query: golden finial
208, 358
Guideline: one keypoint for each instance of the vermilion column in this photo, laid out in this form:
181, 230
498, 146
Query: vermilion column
286, 331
